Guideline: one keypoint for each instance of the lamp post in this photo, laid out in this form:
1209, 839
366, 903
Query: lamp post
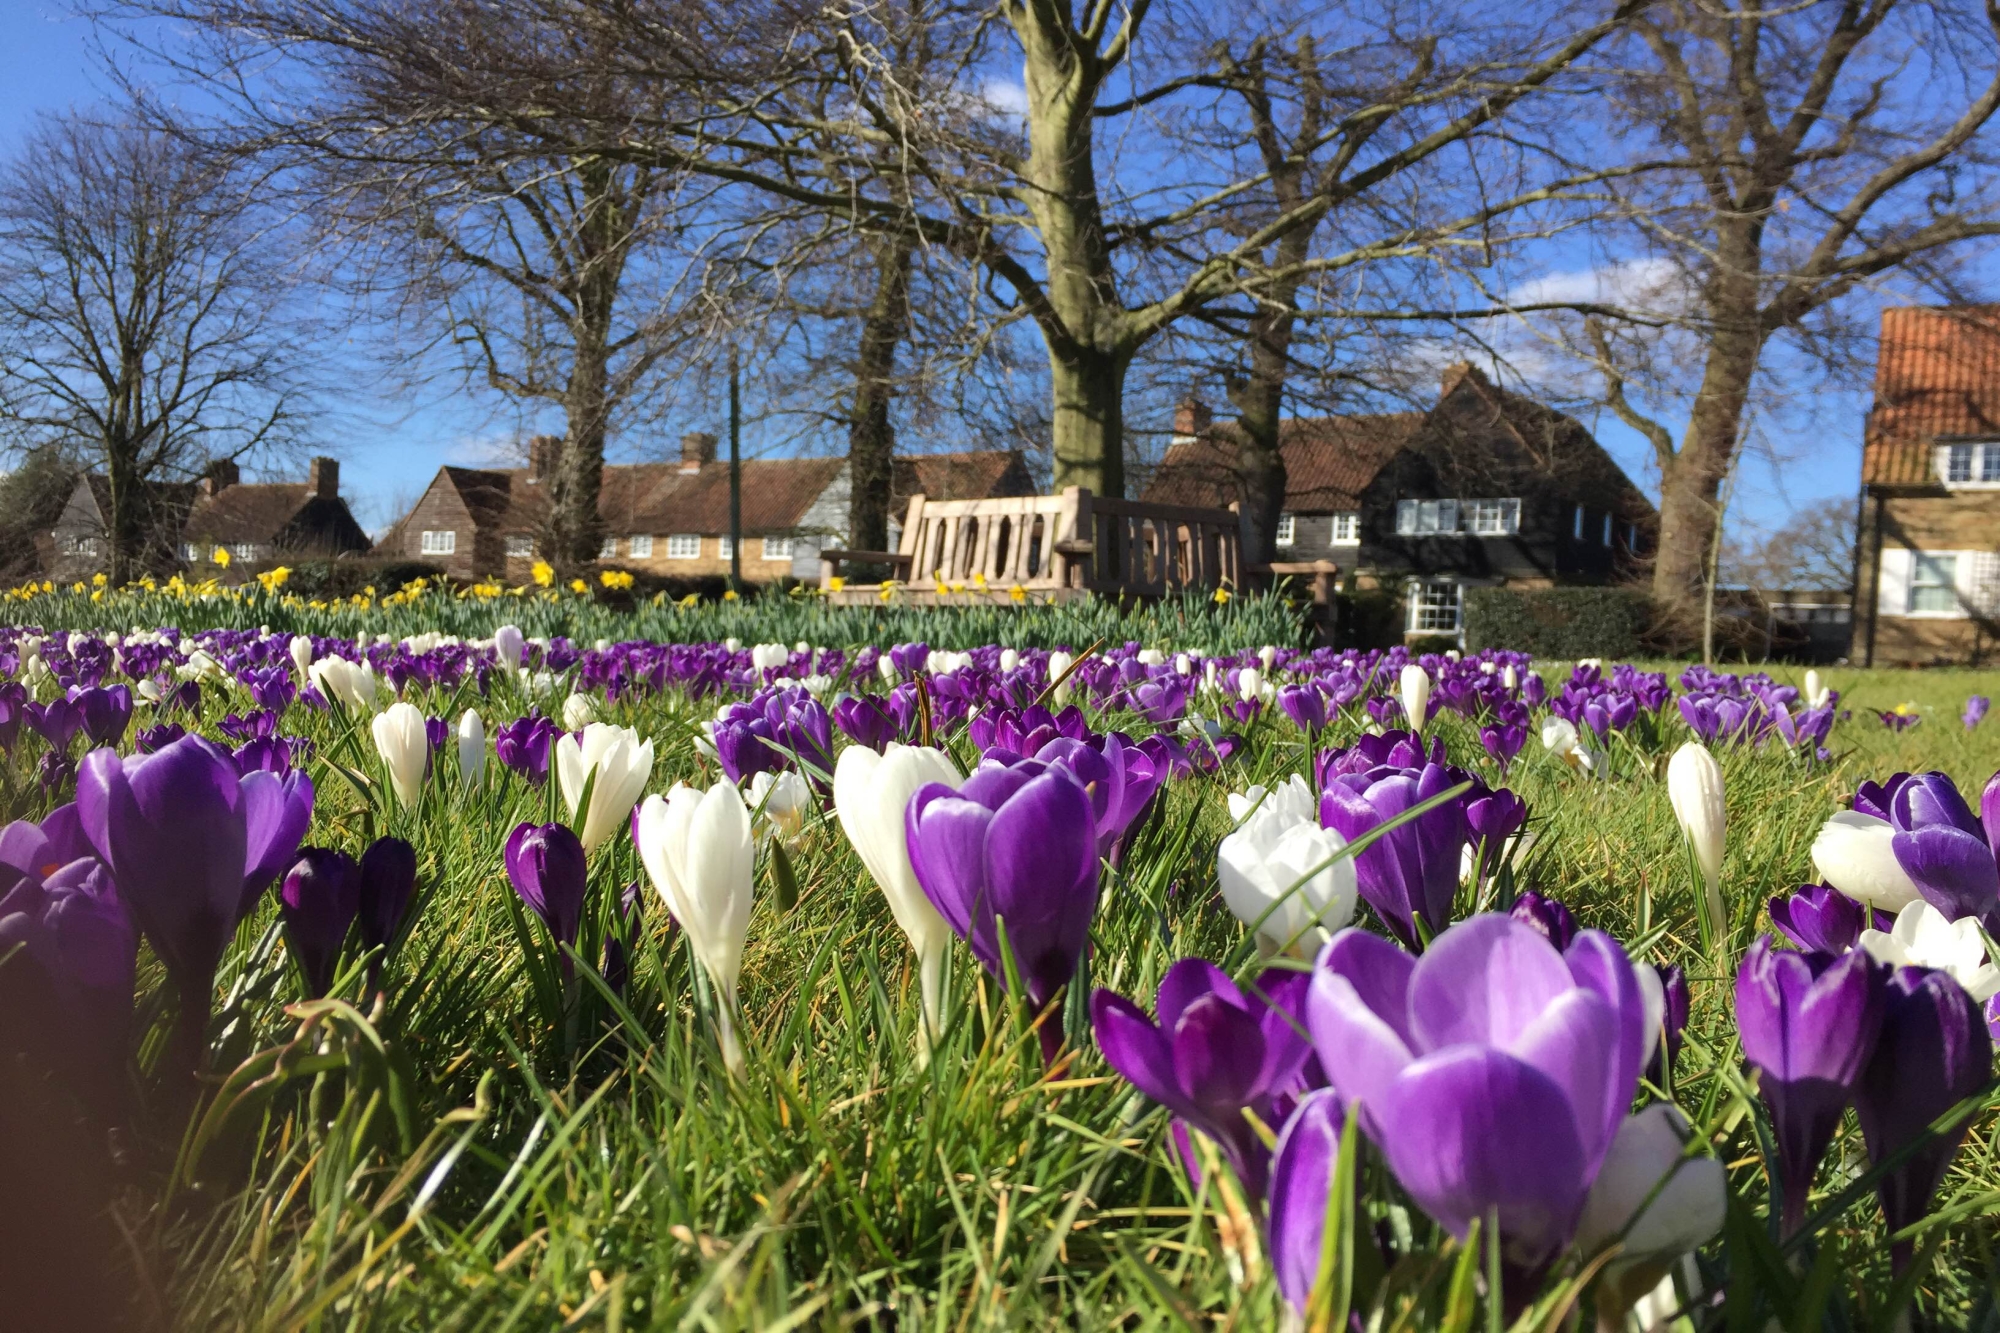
735, 479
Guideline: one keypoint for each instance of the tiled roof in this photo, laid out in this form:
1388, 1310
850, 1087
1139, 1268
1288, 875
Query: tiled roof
1937, 374
1329, 461
975, 474
252, 512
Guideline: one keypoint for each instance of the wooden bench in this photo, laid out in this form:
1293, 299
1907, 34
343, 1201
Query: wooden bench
1046, 548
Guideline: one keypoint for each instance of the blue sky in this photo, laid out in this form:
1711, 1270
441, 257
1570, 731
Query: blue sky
391, 441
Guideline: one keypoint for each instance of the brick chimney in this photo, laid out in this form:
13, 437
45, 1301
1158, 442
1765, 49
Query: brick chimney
323, 478
221, 475
697, 450
544, 451
1192, 419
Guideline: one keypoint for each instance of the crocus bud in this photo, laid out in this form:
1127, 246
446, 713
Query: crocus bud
508, 645
547, 867
1249, 684
351, 684
388, 883
1510, 679
1808, 1024
1416, 687
781, 800
1686, 1210
1059, 662
317, 903
1856, 854
870, 794
578, 712
471, 747
301, 649
1268, 655
1694, 786
1815, 690
697, 850
622, 765
404, 744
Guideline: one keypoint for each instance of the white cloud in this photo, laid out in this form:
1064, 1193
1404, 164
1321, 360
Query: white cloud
1647, 284
492, 450
1007, 96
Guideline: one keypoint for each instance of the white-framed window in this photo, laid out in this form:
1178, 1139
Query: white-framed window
1607, 529
188, 551
1424, 518
244, 551
1287, 533
83, 546
436, 542
723, 550
1933, 582
684, 546
641, 547
1491, 518
1969, 463
1346, 529
1577, 524
520, 546
1435, 607
609, 549
1632, 538
777, 548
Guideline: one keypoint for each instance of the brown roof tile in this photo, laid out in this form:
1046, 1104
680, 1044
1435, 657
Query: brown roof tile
974, 474
1937, 374
248, 512
1329, 461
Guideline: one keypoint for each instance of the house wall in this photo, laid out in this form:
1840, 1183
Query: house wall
1895, 524
711, 563
81, 547
441, 510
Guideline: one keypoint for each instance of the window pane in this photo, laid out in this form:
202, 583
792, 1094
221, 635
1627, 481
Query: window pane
1958, 463
1287, 527
1933, 580
609, 549
1434, 608
777, 548
1406, 516
684, 546
520, 548
1989, 462
1346, 529
722, 547
641, 547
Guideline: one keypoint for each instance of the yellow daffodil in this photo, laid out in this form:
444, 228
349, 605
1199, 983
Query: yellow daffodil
220, 555
98, 580
730, 595
579, 587
1221, 596
1018, 593
836, 583
543, 573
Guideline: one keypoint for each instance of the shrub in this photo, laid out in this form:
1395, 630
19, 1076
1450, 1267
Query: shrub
1560, 623
1369, 618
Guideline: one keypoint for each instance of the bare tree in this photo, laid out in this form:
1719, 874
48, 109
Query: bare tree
1813, 548
144, 322
1812, 150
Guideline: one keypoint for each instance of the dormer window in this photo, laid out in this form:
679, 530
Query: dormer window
1970, 463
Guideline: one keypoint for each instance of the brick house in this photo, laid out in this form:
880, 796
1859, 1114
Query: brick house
1927, 567
672, 519
79, 543
1486, 487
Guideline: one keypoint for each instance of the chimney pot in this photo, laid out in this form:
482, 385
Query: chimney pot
323, 478
544, 451
697, 450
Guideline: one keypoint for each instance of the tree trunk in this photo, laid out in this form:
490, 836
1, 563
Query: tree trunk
122, 533
1082, 319
1691, 480
575, 531
871, 437
1259, 400
1089, 393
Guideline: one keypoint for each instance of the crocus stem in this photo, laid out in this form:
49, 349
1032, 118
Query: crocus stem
725, 1024
930, 993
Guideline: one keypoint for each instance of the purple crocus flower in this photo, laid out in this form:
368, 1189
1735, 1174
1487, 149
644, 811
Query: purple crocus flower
865, 721
1119, 776
1411, 871
524, 745
1934, 1052
1808, 1023
13, 702
1820, 919
1302, 1167
909, 658
158, 737
1943, 848
388, 883
56, 722
73, 993
1305, 705
104, 712
622, 938
800, 732
1213, 1053
1452, 1054
1550, 918
1975, 710
317, 902
1017, 843
546, 864
1506, 734
1491, 817
191, 844
1676, 1002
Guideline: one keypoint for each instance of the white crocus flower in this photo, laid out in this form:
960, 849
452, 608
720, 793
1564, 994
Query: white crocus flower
1684, 1214
1924, 937
768, 656
508, 647
871, 792
1510, 678
1560, 738
578, 712
471, 748
1815, 691
1278, 867
351, 684
780, 801
1854, 853
1694, 788
301, 649
1060, 662
405, 749
697, 850
1151, 657
1293, 798
1009, 660
1416, 690
1268, 655
1249, 684
622, 765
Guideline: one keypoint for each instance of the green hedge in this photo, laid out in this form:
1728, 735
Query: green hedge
1559, 623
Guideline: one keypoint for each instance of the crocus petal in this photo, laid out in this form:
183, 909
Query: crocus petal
1301, 1175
